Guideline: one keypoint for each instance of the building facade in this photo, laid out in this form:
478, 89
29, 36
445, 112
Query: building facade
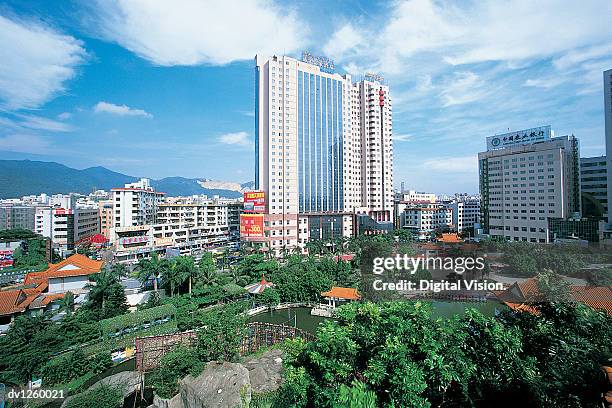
323, 150
608, 126
66, 227
527, 177
466, 211
105, 209
594, 187
425, 219
17, 216
135, 204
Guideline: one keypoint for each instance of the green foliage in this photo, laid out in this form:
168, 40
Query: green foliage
137, 319
599, 277
221, 335
99, 397
175, 365
106, 297
269, 297
301, 282
67, 367
31, 255
396, 352
16, 234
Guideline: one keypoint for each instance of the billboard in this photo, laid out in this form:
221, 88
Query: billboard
6, 258
251, 225
521, 137
254, 201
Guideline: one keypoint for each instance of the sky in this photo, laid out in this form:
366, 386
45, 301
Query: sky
158, 88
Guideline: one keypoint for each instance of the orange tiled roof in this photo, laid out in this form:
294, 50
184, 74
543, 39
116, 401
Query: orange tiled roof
14, 301
342, 293
519, 296
450, 238
85, 266
597, 297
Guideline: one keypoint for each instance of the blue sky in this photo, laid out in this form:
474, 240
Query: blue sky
158, 88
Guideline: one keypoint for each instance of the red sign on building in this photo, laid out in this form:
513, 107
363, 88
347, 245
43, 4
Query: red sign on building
252, 225
254, 201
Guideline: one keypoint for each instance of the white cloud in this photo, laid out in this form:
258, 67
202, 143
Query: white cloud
36, 62
464, 87
343, 41
24, 143
402, 138
237, 138
40, 123
191, 32
422, 34
121, 110
64, 116
465, 164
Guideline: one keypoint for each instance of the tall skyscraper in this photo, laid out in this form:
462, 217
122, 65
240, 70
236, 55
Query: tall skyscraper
323, 150
594, 187
527, 178
608, 119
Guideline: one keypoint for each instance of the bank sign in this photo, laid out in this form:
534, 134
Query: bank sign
522, 137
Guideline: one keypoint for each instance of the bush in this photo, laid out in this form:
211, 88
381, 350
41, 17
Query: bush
63, 369
173, 366
99, 397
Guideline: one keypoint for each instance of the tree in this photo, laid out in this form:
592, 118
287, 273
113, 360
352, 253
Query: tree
67, 303
151, 268
270, 297
208, 269
103, 397
107, 288
185, 269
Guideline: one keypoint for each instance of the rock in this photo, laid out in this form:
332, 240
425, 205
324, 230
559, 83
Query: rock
126, 382
265, 371
221, 385
174, 402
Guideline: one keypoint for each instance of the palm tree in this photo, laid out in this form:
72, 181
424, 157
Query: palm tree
148, 268
186, 270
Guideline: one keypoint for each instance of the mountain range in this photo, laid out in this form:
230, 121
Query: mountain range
27, 177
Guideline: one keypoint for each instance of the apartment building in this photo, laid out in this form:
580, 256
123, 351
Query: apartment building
17, 216
527, 177
466, 211
105, 209
66, 227
135, 204
594, 187
424, 219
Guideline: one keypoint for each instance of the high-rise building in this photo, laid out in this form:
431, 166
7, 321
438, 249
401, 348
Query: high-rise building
608, 120
135, 204
105, 209
527, 177
594, 187
323, 150
67, 227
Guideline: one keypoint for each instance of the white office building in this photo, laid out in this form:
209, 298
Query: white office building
527, 177
135, 204
323, 150
425, 219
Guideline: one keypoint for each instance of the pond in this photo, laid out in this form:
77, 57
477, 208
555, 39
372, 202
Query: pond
300, 316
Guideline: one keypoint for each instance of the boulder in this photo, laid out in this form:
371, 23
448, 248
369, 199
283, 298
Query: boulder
174, 402
221, 385
265, 371
126, 382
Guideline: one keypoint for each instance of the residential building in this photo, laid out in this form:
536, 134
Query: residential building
66, 227
323, 150
425, 219
41, 291
466, 211
594, 187
527, 177
17, 216
135, 204
105, 209
185, 225
416, 197
608, 126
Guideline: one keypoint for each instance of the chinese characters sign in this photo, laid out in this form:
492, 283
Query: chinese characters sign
522, 137
252, 225
254, 201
